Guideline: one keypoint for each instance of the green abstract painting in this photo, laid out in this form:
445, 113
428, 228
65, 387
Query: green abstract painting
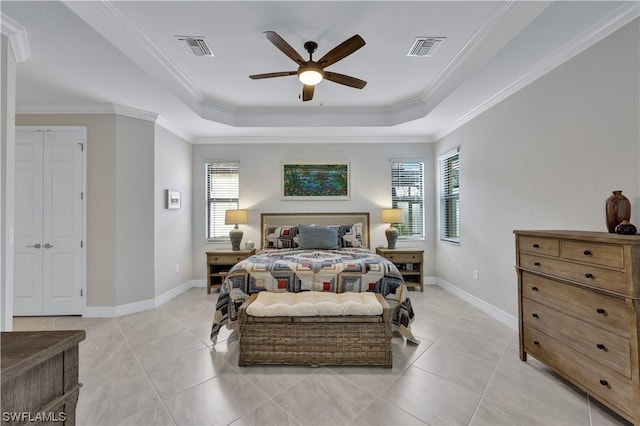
321, 181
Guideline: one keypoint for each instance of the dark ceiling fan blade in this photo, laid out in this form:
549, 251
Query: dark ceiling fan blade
285, 47
342, 50
307, 92
273, 74
344, 79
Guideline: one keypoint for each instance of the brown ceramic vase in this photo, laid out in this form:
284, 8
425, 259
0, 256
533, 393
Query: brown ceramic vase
617, 209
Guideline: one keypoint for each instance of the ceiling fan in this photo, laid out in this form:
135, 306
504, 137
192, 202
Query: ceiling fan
313, 72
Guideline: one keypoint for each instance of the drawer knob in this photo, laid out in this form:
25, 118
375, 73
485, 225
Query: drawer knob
588, 275
534, 288
601, 347
535, 342
536, 245
604, 382
601, 311
535, 315
587, 252
536, 263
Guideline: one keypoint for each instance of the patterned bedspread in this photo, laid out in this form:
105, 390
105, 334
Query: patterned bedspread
295, 270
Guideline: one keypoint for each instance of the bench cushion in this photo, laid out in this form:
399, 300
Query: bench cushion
314, 303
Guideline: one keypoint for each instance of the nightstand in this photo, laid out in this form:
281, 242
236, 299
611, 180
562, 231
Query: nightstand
219, 262
409, 262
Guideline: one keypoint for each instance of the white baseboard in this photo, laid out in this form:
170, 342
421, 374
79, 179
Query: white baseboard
143, 305
430, 281
496, 313
199, 283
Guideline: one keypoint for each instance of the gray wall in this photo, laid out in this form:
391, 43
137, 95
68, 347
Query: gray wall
545, 158
260, 185
134, 205
172, 227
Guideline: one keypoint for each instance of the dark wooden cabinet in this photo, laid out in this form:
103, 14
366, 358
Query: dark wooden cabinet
40, 376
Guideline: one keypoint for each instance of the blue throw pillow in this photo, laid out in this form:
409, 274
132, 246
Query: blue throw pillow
317, 237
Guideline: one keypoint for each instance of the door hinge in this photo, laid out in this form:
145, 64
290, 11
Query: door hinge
80, 292
82, 195
81, 244
81, 146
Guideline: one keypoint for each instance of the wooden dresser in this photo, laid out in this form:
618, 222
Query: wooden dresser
579, 311
40, 376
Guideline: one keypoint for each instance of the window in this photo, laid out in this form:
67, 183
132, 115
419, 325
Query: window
407, 193
223, 189
449, 164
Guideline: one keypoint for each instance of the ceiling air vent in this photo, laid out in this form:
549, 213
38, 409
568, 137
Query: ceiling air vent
426, 46
194, 45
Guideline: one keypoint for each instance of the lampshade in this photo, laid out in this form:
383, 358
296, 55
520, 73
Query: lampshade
392, 215
235, 217
310, 75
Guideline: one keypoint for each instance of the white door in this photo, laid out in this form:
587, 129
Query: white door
49, 223
27, 289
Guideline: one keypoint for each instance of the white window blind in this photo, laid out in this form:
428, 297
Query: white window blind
407, 193
223, 190
449, 164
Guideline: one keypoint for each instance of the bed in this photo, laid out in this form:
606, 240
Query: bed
295, 257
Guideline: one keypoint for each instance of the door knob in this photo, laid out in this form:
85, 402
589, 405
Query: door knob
47, 245
36, 245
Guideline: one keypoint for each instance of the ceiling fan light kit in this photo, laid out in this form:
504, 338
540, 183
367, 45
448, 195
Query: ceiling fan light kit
310, 75
311, 72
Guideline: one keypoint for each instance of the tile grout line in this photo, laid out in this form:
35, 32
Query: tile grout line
145, 375
271, 398
493, 373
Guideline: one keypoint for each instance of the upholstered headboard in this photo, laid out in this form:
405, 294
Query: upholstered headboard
319, 219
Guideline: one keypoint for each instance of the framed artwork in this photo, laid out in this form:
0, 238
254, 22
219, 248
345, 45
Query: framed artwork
173, 199
315, 181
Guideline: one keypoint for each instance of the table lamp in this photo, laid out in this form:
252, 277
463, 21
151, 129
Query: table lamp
235, 217
391, 216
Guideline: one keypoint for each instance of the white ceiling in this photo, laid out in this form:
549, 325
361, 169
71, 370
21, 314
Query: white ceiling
121, 56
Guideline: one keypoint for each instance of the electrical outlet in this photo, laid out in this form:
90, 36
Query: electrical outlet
476, 274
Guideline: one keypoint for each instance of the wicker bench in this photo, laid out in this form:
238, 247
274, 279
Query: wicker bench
316, 340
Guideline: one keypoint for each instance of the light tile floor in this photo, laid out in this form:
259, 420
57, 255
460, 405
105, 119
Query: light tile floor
158, 367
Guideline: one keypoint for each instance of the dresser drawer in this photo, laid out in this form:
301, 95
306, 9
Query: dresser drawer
606, 279
604, 311
603, 346
546, 246
225, 259
599, 380
596, 253
404, 257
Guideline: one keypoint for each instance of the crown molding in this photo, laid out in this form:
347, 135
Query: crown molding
110, 109
313, 116
133, 42
289, 139
483, 33
89, 108
122, 28
609, 24
175, 130
17, 35
119, 30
